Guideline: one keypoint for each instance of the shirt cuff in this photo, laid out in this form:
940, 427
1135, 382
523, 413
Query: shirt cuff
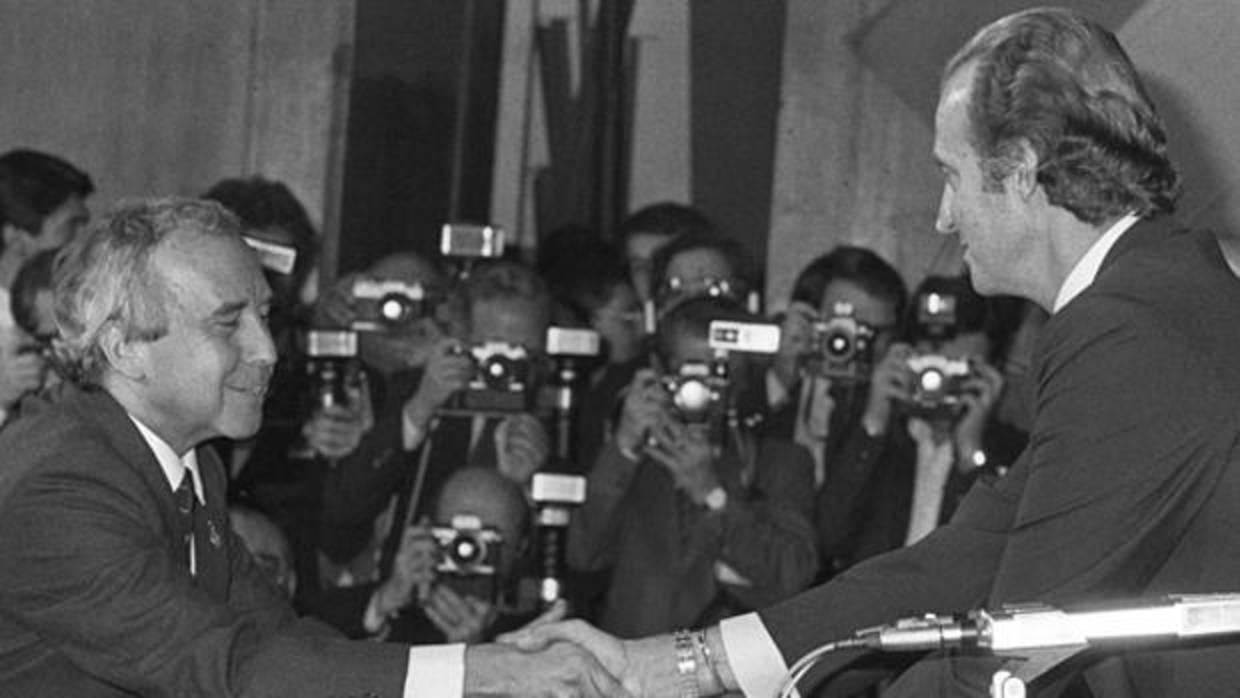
411, 435
436, 671
776, 394
756, 663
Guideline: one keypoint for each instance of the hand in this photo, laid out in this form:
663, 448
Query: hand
448, 369
644, 408
611, 652
550, 669
335, 431
687, 454
20, 373
796, 339
981, 394
460, 618
413, 571
336, 306
523, 447
891, 381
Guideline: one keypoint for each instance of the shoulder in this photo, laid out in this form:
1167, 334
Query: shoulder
68, 442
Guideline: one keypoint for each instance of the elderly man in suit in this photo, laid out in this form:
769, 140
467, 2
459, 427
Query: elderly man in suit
119, 574
1057, 182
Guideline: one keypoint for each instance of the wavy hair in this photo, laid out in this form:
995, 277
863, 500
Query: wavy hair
104, 278
1060, 82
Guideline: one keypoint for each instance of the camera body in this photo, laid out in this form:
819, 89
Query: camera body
502, 378
698, 391
332, 367
936, 316
843, 345
383, 306
467, 548
471, 241
468, 555
938, 386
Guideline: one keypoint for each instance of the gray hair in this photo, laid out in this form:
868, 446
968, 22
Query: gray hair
103, 278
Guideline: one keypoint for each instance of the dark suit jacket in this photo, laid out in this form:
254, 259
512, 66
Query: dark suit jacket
1130, 485
661, 548
96, 598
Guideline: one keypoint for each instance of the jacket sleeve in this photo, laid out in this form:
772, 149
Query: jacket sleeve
593, 532
101, 586
766, 535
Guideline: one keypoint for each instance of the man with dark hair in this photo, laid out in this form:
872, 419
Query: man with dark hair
694, 515
647, 229
121, 576
42, 206
1056, 177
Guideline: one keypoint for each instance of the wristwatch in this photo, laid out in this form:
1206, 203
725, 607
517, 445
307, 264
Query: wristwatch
716, 499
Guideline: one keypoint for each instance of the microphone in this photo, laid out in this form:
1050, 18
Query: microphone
1038, 626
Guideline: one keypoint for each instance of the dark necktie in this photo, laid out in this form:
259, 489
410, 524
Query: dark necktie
187, 507
484, 453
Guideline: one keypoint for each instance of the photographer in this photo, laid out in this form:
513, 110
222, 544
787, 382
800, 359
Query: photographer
431, 594
955, 430
402, 462
823, 394
42, 207
695, 516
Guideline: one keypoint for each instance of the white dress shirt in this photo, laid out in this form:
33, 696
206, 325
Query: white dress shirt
434, 671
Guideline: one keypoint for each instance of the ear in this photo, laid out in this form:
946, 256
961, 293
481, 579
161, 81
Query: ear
125, 357
1024, 175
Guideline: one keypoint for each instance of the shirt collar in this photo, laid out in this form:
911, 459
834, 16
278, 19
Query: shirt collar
1086, 269
174, 466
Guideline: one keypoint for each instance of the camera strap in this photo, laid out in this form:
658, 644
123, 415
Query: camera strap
408, 501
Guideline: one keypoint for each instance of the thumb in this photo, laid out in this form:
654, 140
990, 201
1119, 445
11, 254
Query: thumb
530, 638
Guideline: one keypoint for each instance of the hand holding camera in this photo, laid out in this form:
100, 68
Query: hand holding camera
892, 381
523, 446
796, 342
448, 370
334, 431
644, 407
688, 454
980, 395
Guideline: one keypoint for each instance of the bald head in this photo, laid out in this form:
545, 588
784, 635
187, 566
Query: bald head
407, 267
496, 501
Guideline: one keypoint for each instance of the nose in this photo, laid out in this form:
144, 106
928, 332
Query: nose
259, 347
945, 222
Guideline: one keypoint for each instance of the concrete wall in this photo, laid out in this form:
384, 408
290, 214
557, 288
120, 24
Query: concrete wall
155, 97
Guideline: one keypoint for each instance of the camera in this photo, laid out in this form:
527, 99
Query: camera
383, 306
331, 367
938, 385
468, 240
936, 316
698, 390
502, 377
749, 337
466, 547
468, 556
844, 345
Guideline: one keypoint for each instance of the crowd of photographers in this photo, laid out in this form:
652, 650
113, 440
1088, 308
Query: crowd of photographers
451, 444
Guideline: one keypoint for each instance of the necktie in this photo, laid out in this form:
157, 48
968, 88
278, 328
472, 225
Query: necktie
187, 507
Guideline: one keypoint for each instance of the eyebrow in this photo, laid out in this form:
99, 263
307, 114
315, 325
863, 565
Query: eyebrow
230, 308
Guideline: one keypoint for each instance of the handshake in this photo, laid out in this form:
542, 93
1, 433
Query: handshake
555, 657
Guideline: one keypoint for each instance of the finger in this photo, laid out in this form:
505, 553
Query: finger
603, 684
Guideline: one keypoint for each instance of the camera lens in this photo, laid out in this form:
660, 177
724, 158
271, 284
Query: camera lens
395, 309
839, 346
497, 371
931, 380
465, 550
692, 396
